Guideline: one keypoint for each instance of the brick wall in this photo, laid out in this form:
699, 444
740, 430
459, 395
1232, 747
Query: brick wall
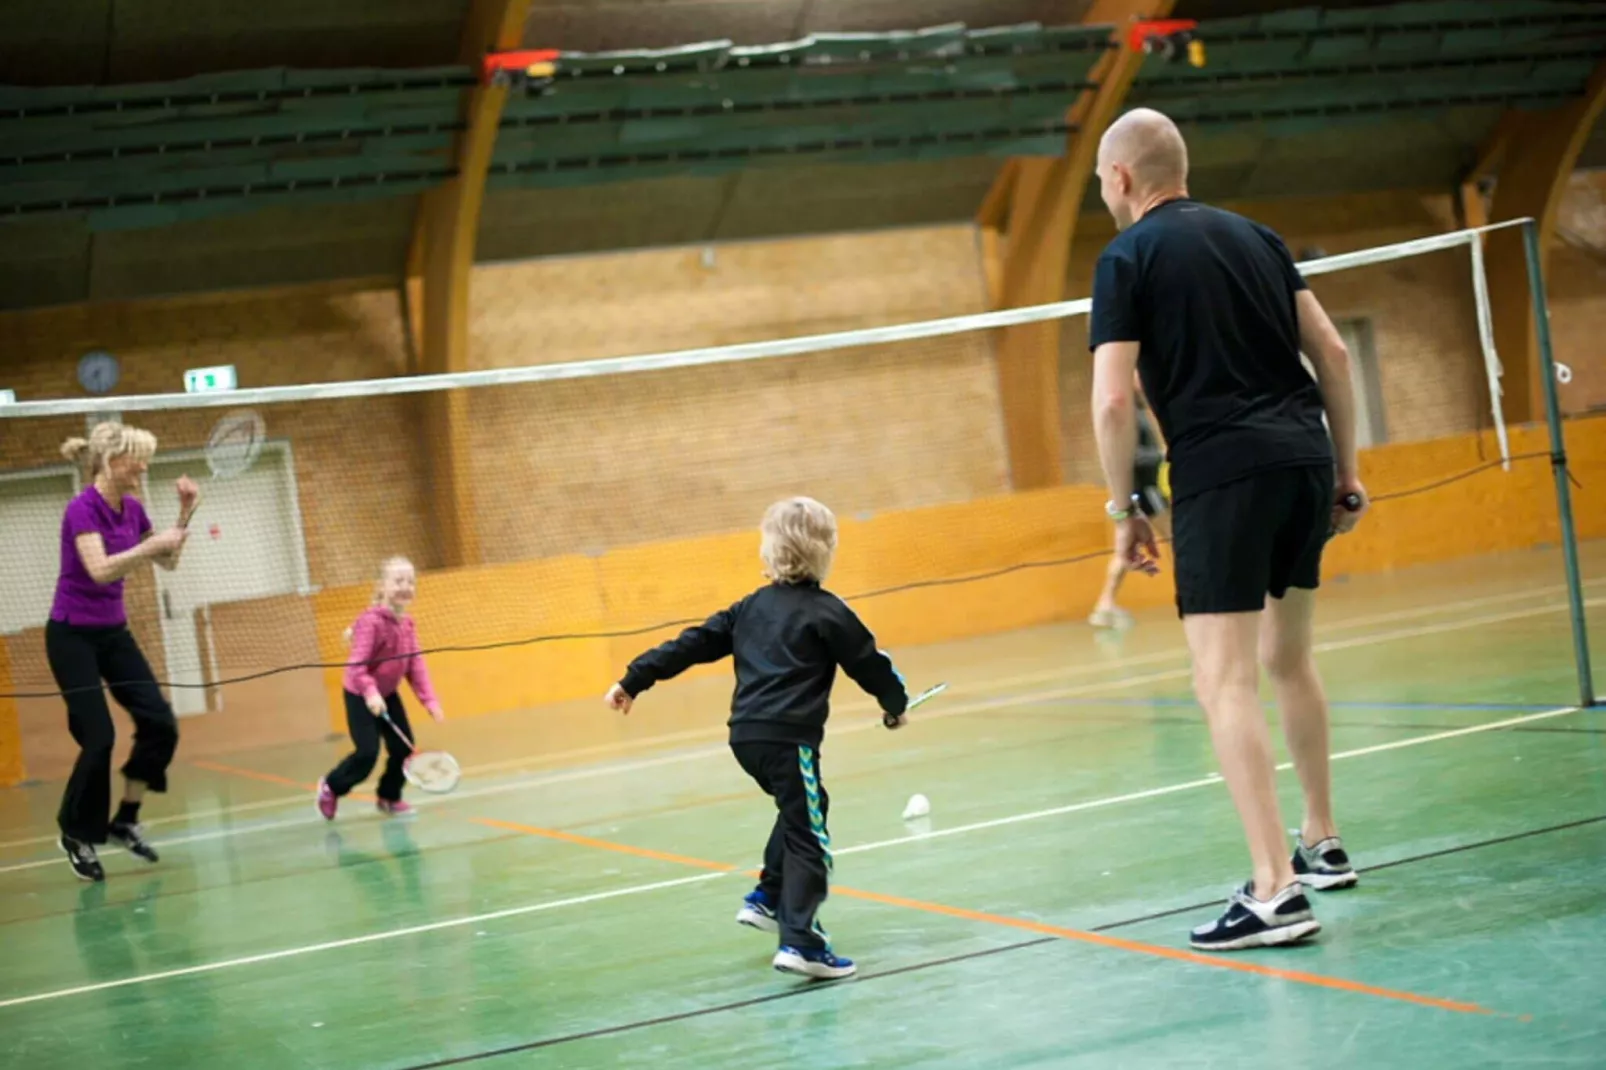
591, 463
1577, 283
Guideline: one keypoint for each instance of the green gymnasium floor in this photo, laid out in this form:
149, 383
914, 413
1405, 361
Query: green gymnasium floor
576, 910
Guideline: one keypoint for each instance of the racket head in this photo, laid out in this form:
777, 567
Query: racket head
234, 443
434, 771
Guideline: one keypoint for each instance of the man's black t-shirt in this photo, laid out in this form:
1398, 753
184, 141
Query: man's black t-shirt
1209, 298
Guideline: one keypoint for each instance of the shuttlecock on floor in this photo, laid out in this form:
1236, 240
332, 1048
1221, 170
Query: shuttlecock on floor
919, 806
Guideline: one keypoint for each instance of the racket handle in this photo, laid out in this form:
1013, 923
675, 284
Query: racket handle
1352, 502
399, 734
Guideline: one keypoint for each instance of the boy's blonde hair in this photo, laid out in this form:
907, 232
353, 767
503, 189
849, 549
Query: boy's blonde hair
109, 439
797, 540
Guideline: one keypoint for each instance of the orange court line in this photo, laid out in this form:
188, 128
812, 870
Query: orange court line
1137, 947
1160, 951
268, 778
1080, 935
252, 774
604, 845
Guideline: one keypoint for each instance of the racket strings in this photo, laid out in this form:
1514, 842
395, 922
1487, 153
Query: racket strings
433, 770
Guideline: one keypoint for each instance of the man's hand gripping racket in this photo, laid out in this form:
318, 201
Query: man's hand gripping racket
1347, 511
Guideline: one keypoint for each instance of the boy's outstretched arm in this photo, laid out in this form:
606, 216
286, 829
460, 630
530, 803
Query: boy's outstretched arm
854, 649
705, 642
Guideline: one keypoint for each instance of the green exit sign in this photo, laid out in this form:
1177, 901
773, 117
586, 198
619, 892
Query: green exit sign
209, 380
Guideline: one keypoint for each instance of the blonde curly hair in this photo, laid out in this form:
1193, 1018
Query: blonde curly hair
797, 540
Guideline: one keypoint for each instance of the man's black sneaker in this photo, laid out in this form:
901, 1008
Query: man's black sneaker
131, 838
1285, 919
1325, 867
81, 856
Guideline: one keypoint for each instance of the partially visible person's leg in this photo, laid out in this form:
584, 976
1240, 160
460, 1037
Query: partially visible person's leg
1287, 650
1106, 614
86, 800
133, 685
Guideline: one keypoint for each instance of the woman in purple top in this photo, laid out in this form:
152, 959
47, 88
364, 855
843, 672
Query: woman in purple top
105, 535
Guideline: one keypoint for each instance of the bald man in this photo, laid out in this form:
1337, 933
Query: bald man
1212, 312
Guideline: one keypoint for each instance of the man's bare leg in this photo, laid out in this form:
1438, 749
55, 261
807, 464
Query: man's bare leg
1287, 652
1226, 678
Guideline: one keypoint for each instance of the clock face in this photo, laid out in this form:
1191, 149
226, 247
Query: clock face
97, 371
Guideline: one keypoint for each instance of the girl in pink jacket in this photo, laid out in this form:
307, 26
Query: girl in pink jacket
384, 649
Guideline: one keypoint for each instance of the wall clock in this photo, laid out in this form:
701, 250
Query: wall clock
98, 371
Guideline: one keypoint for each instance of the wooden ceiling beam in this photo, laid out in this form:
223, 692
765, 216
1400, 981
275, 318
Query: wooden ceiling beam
440, 267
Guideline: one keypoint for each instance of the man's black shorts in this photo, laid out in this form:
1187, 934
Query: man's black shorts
1254, 536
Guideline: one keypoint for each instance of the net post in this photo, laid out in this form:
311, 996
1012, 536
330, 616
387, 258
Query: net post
1558, 461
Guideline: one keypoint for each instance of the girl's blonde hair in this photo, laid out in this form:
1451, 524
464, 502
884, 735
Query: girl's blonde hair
797, 540
109, 439
379, 589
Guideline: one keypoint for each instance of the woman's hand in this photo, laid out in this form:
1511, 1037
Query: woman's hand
376, 705
167, 542
188, 495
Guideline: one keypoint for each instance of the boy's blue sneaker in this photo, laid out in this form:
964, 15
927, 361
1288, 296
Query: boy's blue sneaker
817, 963
758, 912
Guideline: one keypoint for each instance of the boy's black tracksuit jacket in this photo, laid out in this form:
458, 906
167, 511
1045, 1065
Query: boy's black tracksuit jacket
787, 640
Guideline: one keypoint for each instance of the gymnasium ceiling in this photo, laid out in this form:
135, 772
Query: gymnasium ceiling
232, 144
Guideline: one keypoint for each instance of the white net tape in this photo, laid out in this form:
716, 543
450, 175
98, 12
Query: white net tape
729, 354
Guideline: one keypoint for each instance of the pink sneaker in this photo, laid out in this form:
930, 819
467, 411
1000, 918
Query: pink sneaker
399, 808
328, 801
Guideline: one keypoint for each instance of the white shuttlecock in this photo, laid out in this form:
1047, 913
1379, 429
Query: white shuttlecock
919, 806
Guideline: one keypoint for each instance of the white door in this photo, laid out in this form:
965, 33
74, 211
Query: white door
245, 542
1370, 425
31, 507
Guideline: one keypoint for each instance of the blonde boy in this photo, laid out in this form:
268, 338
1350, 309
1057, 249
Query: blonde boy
787, 639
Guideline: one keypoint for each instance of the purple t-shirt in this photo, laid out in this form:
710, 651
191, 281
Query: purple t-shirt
79, 599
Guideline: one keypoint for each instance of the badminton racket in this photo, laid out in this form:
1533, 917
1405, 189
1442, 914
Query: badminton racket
891, 719
231, 449
432, 770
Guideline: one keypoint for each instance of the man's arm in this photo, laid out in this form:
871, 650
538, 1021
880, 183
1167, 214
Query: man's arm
1114, 329
1115, 421
1320, 341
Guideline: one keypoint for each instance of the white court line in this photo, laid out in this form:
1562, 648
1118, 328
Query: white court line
1096, 668
1202, 782
197, 837
291, 952
869, 724
309, 949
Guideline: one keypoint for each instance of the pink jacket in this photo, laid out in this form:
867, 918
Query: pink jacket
384, 648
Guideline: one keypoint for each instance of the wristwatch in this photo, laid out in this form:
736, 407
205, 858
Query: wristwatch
1119, 515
